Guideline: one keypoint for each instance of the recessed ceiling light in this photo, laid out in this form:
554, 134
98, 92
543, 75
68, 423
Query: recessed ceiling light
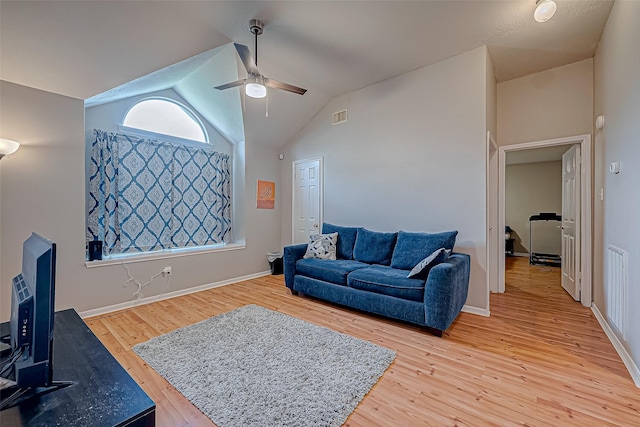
545, 10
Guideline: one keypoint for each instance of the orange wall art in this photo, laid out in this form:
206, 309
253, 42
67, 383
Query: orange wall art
266, 197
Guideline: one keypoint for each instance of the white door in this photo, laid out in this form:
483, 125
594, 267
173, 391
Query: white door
570, 251
307, 199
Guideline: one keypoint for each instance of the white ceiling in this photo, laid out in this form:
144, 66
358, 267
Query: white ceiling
84, 48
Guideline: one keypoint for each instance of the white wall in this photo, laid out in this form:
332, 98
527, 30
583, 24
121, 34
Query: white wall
411, 157
42, 189
42, 184
530, 189
617, 67
550, 104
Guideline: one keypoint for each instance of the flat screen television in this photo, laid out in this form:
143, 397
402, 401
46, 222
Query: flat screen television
30, 364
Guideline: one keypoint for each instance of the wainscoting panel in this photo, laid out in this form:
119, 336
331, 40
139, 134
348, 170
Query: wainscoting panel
616, 288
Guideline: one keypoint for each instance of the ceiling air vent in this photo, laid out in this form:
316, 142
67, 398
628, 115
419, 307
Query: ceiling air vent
339, 117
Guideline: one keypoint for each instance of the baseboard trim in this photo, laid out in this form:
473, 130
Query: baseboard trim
147, 300
476, 310
622, 352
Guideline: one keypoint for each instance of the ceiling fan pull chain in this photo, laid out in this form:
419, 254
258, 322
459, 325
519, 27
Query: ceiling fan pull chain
266, 101
244, 101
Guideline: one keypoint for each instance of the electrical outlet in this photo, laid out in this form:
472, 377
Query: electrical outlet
166, 271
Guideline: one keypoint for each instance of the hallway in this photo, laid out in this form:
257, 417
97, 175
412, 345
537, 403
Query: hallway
535, 302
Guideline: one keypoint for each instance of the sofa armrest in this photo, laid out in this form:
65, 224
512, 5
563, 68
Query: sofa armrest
291, 255
446, 290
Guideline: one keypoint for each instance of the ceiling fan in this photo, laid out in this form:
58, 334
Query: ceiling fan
256, 84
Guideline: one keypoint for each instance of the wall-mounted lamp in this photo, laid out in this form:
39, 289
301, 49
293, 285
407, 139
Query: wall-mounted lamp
7, 147
545, 9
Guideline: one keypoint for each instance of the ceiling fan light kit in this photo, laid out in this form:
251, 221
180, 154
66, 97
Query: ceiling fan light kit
255, 85
545, 9
255, 90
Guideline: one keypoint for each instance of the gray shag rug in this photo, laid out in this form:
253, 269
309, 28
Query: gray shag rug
256, 367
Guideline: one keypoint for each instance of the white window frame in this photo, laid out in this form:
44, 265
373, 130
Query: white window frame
156, 135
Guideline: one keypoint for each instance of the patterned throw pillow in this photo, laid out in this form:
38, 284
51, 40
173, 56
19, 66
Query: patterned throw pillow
421, 270
322, 246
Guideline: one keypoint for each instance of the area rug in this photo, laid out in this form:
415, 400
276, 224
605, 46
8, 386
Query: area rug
256, 367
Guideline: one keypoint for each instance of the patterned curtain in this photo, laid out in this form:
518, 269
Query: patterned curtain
201, 197
102, 220
147, 195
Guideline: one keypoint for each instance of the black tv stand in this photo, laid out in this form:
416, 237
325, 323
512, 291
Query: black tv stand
15, 395
97, 390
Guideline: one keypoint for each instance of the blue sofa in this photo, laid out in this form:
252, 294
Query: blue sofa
370, 273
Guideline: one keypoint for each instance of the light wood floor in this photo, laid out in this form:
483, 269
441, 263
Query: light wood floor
540, 359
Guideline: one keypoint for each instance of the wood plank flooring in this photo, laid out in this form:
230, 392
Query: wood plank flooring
540, 359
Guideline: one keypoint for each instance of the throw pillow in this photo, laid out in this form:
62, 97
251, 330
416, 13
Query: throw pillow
346, 239
421, 270
413, 247
322, 246
374, 247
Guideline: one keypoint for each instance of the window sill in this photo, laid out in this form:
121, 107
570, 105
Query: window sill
168, 253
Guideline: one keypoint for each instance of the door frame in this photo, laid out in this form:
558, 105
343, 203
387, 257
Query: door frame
586, 271
493, 232
320, 193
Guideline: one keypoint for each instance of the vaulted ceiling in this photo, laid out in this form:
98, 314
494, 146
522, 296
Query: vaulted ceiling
84, 49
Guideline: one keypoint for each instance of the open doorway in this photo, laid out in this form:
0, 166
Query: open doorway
534, 211
582, 238
533, 204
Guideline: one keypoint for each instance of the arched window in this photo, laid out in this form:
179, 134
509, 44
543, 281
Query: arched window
157, 184
165, 116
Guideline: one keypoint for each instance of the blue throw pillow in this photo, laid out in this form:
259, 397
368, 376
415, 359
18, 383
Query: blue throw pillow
373, 247
346, 239
421, 270
412, 248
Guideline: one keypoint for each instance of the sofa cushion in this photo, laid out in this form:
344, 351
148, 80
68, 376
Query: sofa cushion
346, 238
387, 281
411, 248
421, 271
333, 271
373, 247
322, 246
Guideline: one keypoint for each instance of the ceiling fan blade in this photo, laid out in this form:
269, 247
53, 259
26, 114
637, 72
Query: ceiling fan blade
230, 85
284, 86
247, 59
